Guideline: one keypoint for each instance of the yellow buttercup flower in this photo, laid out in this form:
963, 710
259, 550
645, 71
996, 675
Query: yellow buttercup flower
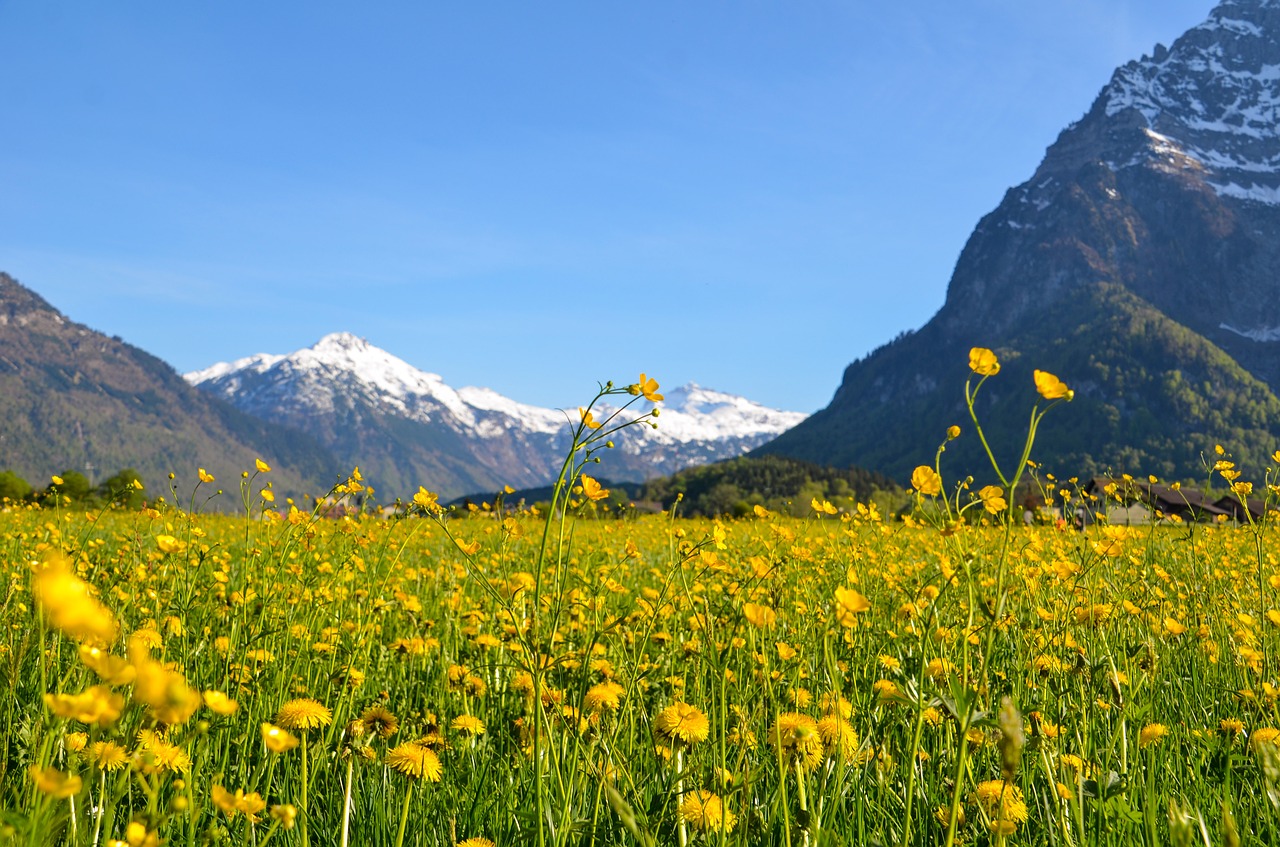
983, 362
758, 615
262, 466
993, 499
204, 475
54, 782
648, 387
278, 740
220, 703
592, 489
588, 419
70, 605
927, 481
1050, 387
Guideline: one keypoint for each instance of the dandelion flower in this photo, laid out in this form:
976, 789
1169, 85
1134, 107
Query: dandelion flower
1001, 802
468, 725
705, 811
604, 695
476, 842
796, 738
304, 713
107, 755
1152, 733
839, 739
378, 721
1265, 737
415, 761
681, 723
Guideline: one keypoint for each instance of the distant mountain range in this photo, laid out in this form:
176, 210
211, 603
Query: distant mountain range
1140, 263
406, 427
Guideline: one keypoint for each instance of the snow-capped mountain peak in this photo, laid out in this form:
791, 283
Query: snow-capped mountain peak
1212, 100
353, 394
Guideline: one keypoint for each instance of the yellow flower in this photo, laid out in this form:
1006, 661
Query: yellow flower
993, 498
262, 466
468, 725
926, 480
54, 782
588, 419
286, 813
113, 670
70, 605
165, 692
137, 835
1003, 804
220, 703
277, 739
1052, 388
796, 739
107, 755
604, 695
96, 705
56, 480
158, 755
759, 616
476, 842
1265, 736
705, 811
204, 475
1152, 733
839, 739
592, 490
681, 723
379, 721
427, 500
268, 495
646, 386
823, 507
849, 604
983, 362
247, 804
415, 761
304, 713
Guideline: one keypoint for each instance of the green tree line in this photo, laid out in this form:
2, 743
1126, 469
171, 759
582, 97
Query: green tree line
124, 488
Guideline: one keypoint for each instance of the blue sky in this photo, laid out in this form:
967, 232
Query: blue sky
534, 197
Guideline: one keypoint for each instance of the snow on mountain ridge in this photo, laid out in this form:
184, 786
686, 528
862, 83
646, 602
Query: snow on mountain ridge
1214, 97
342, 362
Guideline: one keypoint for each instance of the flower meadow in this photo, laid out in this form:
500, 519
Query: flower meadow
570, 677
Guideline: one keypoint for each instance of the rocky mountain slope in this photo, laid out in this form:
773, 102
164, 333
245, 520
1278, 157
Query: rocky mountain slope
1140, 262
72, 398
406, 427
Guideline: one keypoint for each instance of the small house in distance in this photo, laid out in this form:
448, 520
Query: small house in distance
1125, 501
1256, 508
